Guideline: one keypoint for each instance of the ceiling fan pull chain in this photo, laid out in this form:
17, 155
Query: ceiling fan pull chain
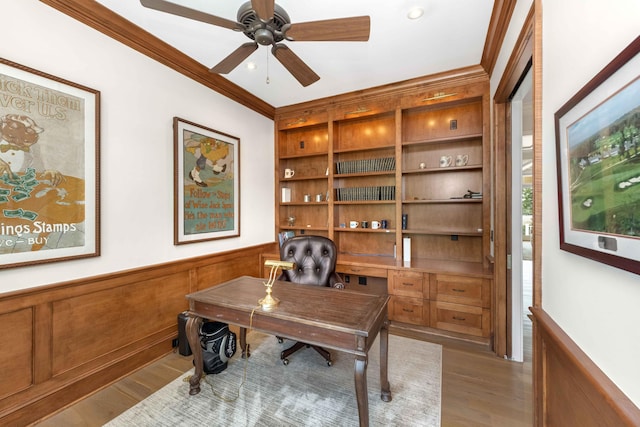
268, 81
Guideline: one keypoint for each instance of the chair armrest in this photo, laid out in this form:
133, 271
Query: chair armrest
335, 281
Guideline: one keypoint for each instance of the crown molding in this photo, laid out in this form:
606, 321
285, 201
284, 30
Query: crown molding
98, 17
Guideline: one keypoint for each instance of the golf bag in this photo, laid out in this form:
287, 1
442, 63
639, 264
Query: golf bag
218, 346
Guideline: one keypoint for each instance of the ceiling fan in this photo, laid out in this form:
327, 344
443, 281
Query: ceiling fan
266, 24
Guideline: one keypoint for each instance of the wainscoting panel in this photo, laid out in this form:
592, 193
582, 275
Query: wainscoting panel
139, 309
570, 389
63, 341
16, 336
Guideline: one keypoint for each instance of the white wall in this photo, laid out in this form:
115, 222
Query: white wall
598, 306
140, 97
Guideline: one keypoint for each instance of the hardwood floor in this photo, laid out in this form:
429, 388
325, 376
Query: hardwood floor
478, 389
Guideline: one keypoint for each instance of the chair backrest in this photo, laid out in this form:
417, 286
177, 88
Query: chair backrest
315, 258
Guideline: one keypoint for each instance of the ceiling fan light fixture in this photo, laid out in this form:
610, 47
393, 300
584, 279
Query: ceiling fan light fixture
252, 65
415, 13
265, 23
264, 37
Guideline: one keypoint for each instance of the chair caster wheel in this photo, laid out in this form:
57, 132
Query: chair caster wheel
280, 340
285, 362
329, 363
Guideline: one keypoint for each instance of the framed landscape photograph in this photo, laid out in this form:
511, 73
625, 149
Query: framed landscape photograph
49, 168
598, 161
206, 183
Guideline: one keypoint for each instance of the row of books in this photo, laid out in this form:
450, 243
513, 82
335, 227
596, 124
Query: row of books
366, 165
351, 194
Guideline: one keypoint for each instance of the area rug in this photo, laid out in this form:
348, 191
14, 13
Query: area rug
304, 393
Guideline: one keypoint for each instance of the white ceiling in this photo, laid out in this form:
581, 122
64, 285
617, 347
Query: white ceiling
451, 34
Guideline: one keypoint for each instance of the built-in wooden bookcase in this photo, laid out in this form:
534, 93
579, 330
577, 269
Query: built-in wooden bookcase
303, 196
419, 154
364, 184
442, 180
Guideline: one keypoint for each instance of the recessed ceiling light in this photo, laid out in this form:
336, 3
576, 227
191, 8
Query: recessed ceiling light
251, 65
415, 13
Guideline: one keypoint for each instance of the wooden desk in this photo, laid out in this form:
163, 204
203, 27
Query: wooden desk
332, 318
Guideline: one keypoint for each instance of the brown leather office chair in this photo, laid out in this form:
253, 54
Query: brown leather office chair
315, 259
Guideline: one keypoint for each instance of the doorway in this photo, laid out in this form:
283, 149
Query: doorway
520, 217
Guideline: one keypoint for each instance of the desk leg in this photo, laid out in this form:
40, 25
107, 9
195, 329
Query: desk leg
385, 393
192, 327
361, 390
243, 343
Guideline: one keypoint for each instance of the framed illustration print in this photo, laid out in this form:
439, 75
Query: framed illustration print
598, 161
49, 168
206, 183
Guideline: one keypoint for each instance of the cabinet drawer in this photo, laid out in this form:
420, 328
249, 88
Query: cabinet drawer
460, 318
473, 291
408, 284
409, 310
361, 271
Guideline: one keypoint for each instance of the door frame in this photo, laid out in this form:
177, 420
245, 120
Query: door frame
519, 62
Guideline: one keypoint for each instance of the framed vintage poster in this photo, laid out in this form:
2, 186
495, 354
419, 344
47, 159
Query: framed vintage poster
206, 183
598, 161
49, 168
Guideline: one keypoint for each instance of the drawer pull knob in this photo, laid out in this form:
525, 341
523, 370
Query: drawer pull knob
407, 310
458, 290
459, 318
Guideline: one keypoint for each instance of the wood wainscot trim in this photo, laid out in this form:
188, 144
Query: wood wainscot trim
64, 341
573, 391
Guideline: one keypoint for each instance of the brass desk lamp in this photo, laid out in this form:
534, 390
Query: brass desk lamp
268, 302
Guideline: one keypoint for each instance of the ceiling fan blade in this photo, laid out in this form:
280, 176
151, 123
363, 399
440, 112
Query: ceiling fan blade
354, 29
294, 64
176, 9
263, 8
235, 58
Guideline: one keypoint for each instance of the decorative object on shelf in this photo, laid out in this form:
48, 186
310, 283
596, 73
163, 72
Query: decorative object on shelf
462, 159
473, 195
406, 249
353, 224
307, 198
375, 225
598, 169
206, 183
49, 168
365, 224
422, 165
384, 224
286, 195
268, 303
469, 195
289, 173
445, 161
318, 197
291, 221
405, 219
